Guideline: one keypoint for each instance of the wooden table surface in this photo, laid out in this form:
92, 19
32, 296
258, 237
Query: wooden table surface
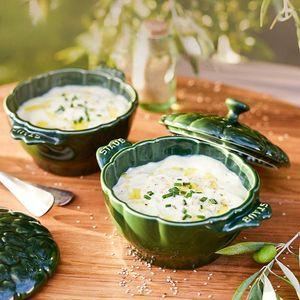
93, 254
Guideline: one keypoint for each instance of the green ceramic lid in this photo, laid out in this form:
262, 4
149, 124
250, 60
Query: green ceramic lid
28, 255
230, 133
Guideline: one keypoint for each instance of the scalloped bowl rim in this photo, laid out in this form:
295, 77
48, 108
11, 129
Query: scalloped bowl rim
14, 116
234, 211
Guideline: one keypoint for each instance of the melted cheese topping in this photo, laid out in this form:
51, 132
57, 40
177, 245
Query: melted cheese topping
181, 188
74, 107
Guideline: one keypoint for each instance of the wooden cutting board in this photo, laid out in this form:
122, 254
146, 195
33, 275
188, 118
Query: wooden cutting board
95, 259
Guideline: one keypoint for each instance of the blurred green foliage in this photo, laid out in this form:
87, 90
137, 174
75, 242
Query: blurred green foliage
40, 35
27, 49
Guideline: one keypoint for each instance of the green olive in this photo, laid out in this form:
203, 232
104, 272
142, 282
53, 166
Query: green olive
265, 254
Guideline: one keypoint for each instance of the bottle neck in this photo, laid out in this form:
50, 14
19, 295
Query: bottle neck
159, 45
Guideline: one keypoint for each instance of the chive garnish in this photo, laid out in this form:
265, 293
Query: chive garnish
189, 194
200, 217
186, 183
87, 114
167, 195
178, 184
186, 216
184, 202
78, 121
175, 190
60, 109
203, 199
168, 205
147, 197
201, 206
213, 201
150, 193
184, 210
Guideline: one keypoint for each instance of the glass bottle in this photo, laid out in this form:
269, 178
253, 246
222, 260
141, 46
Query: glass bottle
153, 67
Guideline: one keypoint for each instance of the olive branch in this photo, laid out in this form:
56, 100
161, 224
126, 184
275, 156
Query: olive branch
269, 254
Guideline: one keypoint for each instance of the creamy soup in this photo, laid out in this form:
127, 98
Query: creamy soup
74, 107
181, 188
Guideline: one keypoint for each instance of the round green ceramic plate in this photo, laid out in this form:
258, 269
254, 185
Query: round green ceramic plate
28, 255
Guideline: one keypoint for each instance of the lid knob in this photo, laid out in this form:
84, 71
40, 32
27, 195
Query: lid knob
235, 108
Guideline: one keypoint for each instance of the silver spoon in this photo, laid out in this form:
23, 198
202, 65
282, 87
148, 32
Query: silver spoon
36, 199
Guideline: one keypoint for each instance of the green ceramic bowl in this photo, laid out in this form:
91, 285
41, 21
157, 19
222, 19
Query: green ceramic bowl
63, 152
177, 244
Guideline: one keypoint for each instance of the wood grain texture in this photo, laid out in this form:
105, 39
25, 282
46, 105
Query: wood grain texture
93, 255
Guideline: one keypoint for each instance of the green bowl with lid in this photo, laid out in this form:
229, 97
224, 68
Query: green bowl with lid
177, 244
69, 153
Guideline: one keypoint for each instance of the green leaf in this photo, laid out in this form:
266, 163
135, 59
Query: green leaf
268, 292
69, 55
282, 278
243, 286
242, 248
255, 292
263, 10
290, 276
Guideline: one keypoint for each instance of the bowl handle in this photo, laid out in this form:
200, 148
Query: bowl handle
105, 153
113, 72
30, 137
261, 212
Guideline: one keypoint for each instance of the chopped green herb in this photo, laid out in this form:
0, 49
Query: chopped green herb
189, 194
167, 195
186, 216
213, 201
200, 217
60, 109
201, 206
183, 192
150, 193
179, 179
168, 205
203, 199
87, 114
184, 210
147, 197
178, 184
78, 121
186, 183
197, 192
184, 202
72, 105
175, 190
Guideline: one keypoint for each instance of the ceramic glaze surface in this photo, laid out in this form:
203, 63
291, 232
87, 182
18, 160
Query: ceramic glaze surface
28, 255
74, 107
181, 188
